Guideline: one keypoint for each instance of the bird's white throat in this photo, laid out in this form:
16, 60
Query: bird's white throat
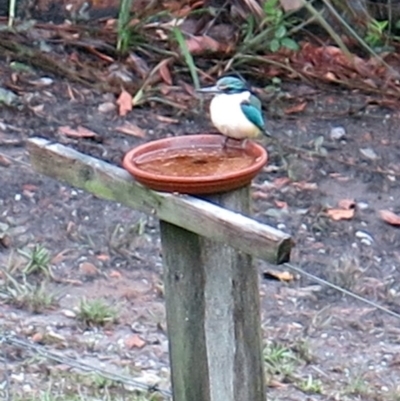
228, 117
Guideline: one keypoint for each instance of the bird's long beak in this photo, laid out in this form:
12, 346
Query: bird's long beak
209, 89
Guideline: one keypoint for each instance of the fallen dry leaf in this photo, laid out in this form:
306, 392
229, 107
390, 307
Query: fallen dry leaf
37, 337
30, 187
164, 72
278, 275
134, 342
103, 257
306, 186
88, 269
80, 132
276, 384
165, 119
201, 44
330, 76
4, 161
390, 217
281, 182
259, 195
115, 274
189, 89
281, 204
297, 108
124, 102
131, 129
291, 5
340, 214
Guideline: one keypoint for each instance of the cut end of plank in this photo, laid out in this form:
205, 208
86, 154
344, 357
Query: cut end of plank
284, 251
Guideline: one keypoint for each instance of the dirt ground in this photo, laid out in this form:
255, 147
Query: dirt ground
319, 344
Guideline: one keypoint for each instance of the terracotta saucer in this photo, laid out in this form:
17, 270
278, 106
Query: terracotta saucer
195, 164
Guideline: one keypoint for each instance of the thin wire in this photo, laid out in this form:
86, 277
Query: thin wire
340, 289
37, 349
13, 340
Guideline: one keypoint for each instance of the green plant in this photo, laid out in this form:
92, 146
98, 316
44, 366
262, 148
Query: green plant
187, 56
302, 349
38, 261
375, 35
275, 29
358, 387
310, 385
345, 271
124, 33
275, 18
96, 312
11, 13
279, 360
34, 298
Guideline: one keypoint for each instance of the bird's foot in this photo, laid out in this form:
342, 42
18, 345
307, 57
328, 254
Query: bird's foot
235, 142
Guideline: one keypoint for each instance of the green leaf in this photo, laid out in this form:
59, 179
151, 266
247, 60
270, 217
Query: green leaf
187, 56
280, 32
270, 6
290, 44
274, 45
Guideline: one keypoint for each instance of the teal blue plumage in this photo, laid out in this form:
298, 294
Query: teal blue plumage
252, 110
235, 111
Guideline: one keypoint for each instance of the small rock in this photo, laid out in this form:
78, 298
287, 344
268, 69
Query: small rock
7, 97
337, 133
106, 107
69, 313
362, 205
364, 237
26, 388
17, 197
18, 377
369, 153
44, 81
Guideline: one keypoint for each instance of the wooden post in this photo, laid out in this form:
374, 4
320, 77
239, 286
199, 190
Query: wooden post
213, 314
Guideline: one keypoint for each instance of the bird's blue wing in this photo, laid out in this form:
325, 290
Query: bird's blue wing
252, 110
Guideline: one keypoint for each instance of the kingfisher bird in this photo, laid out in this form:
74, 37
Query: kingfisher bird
235, 111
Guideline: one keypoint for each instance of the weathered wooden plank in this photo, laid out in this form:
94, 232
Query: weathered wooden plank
195, 215
184, 280
213, 314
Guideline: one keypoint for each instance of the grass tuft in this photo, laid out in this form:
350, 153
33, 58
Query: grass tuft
32, 297
124, 33
279, 360
96, 312
38, 261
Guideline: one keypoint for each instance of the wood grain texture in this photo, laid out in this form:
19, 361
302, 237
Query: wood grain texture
213, 314
196, 215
